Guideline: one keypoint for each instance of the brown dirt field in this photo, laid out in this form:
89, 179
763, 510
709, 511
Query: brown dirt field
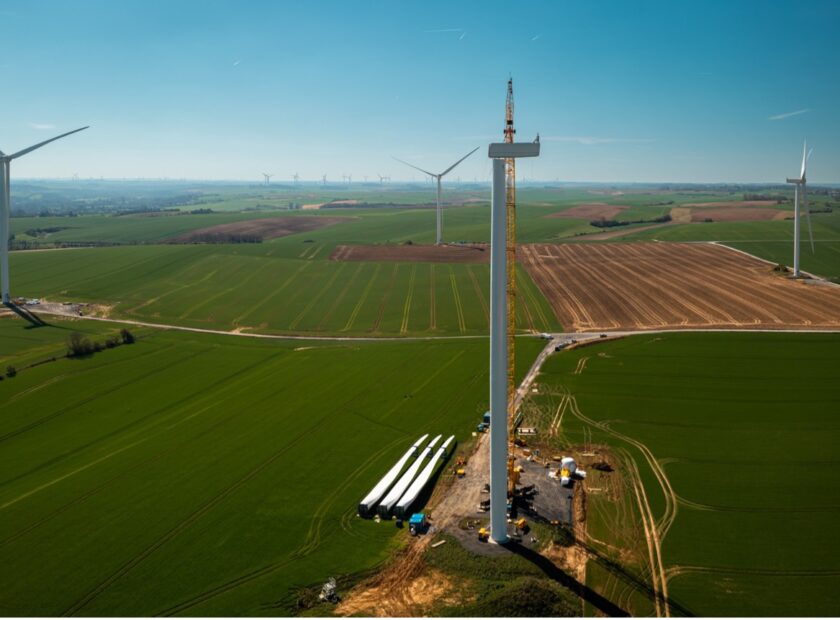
738, 214
591, 211
732, 203
594, 287
477, 253
266, 228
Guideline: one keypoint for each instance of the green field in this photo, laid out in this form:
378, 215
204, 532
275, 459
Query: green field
745, 430
198, 474
248, 286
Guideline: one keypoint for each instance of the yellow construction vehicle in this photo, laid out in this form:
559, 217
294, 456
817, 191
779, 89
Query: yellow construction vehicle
483, 535
460, 472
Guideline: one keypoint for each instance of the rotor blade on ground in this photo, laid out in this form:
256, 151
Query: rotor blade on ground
40, 144
431, 174
459, 161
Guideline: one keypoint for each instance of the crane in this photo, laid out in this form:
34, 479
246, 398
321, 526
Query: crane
510, 251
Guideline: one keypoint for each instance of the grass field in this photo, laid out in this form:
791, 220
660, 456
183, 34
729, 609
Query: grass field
195, 474
248, 286
734, 437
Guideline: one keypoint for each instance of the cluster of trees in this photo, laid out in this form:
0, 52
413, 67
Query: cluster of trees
80, 346
11, 372
605, 223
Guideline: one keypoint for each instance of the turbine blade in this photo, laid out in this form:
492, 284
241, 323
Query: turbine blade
459, 161
40, 144
804, 159
431, 174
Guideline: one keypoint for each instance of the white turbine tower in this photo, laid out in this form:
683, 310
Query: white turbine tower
800, 183
267, 177
296, 178
6, 205
438, 177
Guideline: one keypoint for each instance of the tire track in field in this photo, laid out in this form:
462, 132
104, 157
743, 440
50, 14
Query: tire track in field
219, 497
462, 326
341, 296
223, 384
177, 289
227, 291
381, 310
313, 535
55, 414
581, 365
432, 306
480, 295
658, 580
529, 294
270, 297
670, 512
352, 319
316, 297
407, 304
580, 318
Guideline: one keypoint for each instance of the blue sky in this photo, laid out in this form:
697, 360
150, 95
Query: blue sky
619, 91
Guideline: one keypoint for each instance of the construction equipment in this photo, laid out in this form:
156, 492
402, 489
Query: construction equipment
417, 523
460, 472
522, 525
329, 591
483, 535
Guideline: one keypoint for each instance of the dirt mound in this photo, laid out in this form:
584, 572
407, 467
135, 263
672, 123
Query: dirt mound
672, 285
477, 253
737, 214
258, 229
591, 211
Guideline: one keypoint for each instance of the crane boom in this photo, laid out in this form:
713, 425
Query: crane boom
510, 251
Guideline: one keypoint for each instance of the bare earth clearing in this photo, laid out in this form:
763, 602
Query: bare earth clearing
591, 211
265, 228
738, 214
672, 285
477, 253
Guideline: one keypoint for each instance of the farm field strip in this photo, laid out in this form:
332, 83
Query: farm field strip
650, 286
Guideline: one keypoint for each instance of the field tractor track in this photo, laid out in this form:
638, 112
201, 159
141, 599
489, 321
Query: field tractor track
340, 297
357, 308
407, 304
380, 312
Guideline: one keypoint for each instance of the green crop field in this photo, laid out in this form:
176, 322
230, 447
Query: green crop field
735, 440
247, 286
197, 474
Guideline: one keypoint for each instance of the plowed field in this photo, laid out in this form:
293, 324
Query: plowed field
413, 253
672, 285
264, 228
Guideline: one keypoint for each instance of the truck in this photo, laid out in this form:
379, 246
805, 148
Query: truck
417, 523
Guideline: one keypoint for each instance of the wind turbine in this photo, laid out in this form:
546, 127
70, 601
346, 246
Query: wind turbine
438, 177
267, 177
800, 183
296, 178
5, 208
324, 180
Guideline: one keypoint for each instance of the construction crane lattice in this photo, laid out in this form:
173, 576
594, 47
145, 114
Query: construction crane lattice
510, 251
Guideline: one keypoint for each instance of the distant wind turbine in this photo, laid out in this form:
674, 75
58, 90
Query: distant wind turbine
296, 178
267, 177
800, 183
6, 205
438, 177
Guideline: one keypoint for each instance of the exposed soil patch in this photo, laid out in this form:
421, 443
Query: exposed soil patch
415, 596
738, 214
591, 211
461, 253
594, 286
258, 229
621, 232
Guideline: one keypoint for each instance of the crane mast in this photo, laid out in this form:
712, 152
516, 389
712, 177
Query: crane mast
510, 252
